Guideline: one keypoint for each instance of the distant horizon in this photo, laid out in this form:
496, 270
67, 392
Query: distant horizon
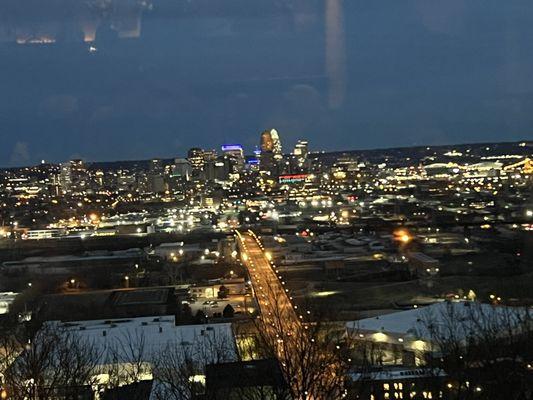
312, 151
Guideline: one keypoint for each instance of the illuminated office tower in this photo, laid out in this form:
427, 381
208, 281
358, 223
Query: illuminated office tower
73, 176
267, 144
210, 158
65, 177
224, 166
301, 149
236, 154
195, 156
270, 142
271, 151
298, 160
276, 142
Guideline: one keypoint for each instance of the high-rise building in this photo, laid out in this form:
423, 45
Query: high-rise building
299, 158
271, 151
182, 169
223, 167
202, 163
278, 154
210, 158
236, 154
73, 176
301, 149
267, 144
271, 143
156, 165
195, 156
65, 177
156, 176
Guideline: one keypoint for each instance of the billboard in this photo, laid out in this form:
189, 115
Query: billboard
293, 178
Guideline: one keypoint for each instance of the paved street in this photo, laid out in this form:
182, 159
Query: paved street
274, 302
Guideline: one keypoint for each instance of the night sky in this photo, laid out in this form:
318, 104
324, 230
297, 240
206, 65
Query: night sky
126, 80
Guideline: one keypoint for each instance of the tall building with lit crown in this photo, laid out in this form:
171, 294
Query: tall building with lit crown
278, 153
267, 144
271, 151
270, 142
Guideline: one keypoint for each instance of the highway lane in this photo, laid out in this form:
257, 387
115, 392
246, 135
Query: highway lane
282, 325
274, 302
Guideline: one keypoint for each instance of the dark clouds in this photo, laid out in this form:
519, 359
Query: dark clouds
207, 72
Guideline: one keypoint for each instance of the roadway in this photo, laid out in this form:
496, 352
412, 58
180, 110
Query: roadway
277, 311
282, 325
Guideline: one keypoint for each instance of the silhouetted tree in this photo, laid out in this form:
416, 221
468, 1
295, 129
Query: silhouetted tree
51, 364
228, 311
179, 366
486, 351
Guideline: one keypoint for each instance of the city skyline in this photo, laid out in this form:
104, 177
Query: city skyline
328, 270
253, 151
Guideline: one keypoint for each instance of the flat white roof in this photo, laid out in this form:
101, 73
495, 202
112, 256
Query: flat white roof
461, 314
155, 333
6, 296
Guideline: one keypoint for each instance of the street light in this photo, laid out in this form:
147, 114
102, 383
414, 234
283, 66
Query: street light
403, 236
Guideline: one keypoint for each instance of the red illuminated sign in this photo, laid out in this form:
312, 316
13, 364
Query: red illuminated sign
293, 178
